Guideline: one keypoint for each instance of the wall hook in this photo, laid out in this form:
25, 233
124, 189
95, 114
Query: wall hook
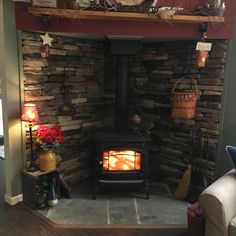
46, 22
203, 28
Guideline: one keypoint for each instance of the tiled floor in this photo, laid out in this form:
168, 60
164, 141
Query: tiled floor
120, 209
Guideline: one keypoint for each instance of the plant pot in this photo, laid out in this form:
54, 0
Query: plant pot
47, 161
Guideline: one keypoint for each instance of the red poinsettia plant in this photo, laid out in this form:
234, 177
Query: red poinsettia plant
49, 137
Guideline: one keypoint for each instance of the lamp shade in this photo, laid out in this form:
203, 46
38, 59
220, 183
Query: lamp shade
29, 113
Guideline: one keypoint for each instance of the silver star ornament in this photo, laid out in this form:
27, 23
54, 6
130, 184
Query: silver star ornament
46, 39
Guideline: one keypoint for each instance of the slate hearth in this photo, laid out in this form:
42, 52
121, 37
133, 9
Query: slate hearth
119, 209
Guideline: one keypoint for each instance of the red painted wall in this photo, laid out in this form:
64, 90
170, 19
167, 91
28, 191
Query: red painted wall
25, 21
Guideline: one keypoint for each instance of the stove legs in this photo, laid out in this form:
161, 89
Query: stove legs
147, 190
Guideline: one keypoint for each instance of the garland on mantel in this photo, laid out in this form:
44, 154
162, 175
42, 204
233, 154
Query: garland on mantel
210, 8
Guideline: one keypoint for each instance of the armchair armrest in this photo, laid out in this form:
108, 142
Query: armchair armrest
219, 203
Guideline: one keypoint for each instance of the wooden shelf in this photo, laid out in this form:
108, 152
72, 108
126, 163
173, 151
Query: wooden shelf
105, 15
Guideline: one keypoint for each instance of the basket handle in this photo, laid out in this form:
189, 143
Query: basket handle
176, 83
180, 80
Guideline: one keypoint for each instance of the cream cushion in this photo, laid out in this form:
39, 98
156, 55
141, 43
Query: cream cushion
232, 227
219, 203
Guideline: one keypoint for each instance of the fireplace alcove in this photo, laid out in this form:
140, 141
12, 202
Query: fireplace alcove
81, 72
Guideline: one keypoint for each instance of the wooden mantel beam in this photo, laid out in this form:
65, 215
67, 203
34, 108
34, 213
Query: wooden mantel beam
132, 16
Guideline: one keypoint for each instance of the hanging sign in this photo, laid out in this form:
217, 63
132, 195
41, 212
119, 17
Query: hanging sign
201, 46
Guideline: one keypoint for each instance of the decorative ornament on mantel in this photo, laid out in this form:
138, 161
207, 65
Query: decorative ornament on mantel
47, 43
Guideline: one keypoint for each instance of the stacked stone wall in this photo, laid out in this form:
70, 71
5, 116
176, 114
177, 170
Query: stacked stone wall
153, 74
68, 89
81, 73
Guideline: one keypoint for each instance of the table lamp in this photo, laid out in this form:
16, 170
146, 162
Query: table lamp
30, 114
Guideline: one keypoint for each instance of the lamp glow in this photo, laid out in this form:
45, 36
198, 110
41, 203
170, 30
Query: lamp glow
30, 114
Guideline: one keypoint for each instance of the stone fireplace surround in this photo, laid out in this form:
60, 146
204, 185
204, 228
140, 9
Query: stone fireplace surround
80, 73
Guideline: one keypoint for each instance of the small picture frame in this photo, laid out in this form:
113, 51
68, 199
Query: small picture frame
22, 1
45, 3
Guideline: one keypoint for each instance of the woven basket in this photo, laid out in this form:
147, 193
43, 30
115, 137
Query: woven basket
184, 103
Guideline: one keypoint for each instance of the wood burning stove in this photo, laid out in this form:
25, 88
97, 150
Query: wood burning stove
120, 159
121, 156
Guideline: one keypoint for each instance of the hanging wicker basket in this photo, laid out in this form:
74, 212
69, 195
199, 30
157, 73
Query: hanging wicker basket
184, 103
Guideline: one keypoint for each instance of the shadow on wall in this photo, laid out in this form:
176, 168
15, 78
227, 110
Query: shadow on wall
2, 179
2, 162
1, 132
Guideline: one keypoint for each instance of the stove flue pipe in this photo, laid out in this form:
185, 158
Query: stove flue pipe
121, 93
123, 47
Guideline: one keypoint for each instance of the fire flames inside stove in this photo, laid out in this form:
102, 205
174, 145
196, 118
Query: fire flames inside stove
121, 160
